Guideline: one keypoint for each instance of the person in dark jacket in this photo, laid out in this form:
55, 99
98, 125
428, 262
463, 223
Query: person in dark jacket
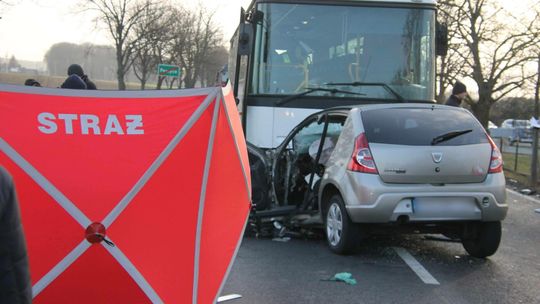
32, 83
15, 285
78, 70
74, 82
459, 92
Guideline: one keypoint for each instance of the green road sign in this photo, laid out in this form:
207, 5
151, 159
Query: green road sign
168, 70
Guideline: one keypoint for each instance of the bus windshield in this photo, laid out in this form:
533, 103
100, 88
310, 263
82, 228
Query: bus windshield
301, 46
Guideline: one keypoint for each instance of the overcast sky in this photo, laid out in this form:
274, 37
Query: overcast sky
30, 27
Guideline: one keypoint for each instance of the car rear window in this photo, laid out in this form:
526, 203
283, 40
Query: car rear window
419, 126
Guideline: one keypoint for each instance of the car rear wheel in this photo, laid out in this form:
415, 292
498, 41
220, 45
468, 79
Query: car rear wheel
341, 232
483, 239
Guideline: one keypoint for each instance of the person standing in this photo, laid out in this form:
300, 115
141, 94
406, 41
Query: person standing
74, 82
15, 285
459, 92
78, 70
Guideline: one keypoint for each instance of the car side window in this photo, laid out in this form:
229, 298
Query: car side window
307, 135
313, 132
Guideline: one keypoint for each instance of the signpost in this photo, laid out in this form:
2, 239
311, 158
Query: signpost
172, 72
169, 70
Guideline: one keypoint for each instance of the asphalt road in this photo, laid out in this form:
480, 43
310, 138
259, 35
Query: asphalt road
267, 271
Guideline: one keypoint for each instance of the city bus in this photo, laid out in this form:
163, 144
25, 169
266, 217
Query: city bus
291, 58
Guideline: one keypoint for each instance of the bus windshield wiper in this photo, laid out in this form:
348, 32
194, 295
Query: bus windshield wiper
311, 90
368, 84
447, 136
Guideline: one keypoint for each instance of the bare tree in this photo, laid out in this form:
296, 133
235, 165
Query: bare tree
212, 64
120, 17
195, 37
496, 53
60, 55
154, 31
96, 60
13, 63
450, 67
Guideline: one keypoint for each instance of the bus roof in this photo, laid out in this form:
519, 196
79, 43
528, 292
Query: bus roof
420, 2
398, 1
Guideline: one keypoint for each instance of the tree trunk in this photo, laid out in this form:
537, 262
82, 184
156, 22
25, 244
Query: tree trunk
160, 82
120, 71
121, 81
441, 97
481, 109
190, 83
120, 77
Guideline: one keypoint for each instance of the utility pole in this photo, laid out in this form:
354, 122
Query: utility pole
534, 163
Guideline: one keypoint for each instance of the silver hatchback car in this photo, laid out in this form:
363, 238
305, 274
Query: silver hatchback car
416, 167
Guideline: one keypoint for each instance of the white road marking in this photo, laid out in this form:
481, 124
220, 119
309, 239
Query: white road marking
228, 297
420, 271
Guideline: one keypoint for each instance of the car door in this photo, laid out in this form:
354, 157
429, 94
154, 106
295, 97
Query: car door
302, 157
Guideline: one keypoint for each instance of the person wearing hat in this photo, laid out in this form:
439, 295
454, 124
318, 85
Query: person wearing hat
78, 70
32, 83
74, 82
459, 92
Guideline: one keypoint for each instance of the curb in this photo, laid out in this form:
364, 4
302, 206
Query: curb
526, 197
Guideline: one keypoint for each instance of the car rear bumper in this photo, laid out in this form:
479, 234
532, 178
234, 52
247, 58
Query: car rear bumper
369, 200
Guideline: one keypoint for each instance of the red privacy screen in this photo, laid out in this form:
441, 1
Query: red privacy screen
127, 197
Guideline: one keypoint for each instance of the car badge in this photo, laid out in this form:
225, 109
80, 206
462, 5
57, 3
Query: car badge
437, 157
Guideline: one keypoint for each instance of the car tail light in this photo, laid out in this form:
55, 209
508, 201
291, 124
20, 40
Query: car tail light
496, 163
361, 159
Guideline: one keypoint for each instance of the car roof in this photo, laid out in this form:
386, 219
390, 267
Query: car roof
406, 105
377, 106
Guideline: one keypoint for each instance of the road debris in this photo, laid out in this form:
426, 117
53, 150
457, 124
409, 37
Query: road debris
343, 277
281, 239
527, 191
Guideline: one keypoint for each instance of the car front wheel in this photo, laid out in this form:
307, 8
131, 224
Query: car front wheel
341, 232
482, 239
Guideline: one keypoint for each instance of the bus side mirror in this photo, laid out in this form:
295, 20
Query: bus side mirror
441, 39
245, 39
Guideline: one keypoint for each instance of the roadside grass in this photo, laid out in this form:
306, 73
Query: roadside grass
523, 167
523, 163
56, 81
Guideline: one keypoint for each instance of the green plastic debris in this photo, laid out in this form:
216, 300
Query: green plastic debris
344, 277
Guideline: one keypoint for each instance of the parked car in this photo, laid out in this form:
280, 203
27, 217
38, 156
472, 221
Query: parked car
403, 167
516, 123
514, 131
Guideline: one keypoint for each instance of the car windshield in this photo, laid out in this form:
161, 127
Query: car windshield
392, 46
